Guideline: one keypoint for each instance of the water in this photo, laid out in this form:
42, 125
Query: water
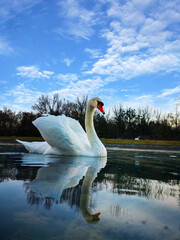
129, 195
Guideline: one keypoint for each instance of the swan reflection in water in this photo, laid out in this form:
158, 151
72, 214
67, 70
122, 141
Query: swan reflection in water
61, 174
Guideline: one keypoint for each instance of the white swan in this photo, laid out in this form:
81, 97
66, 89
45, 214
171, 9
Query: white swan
65, 136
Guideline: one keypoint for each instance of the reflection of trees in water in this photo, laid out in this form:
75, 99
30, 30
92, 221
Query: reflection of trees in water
7, 169
116, 210
118, 179
33, 199
11, 171
70, 196
148, 188
150, 179
130, 185
115, 183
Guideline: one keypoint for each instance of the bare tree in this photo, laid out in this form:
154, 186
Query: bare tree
177, 115
49, 104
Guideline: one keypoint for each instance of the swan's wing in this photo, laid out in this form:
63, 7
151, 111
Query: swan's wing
39, 147
35, 147
63, 133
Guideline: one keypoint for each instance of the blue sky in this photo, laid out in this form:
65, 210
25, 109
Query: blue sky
121, 51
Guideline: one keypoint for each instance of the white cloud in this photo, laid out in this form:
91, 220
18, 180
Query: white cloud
85, 86
136, 12
11, 8
147, 47
140, 101
132, 66
5, 48
3, 82
168, 11
131, 13
69, 77
23, 94
144, 97
94, 53
167, 92
85, 65
165, 100
33, 72
78, 20
151, 26
68, 61
24, 97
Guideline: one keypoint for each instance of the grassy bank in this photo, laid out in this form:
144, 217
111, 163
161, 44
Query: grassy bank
120, 141
23, 138
145, 142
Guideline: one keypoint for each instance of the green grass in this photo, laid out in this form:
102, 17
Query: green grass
23, 138
120, 141
147, 142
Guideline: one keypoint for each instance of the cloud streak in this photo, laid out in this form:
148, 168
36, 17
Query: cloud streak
68, 61
172, 91
65, 78
33, 72
78, 20
5, 48
94, 53
25, 98
88, 86
11, 8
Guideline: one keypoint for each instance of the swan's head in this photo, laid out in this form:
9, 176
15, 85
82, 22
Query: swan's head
97, 103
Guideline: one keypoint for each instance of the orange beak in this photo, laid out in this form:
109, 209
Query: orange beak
100, 107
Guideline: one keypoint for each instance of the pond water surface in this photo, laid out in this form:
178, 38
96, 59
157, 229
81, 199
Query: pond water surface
128, 195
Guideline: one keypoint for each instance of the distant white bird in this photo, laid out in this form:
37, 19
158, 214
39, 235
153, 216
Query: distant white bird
65, 136
137, 138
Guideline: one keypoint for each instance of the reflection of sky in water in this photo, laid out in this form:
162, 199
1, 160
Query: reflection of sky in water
50, 197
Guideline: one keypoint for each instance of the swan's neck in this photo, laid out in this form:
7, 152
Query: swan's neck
90, 130
91, 174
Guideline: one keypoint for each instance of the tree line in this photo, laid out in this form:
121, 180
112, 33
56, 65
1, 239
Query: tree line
119, 122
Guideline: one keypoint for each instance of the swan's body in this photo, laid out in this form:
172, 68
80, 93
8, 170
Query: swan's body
65, 136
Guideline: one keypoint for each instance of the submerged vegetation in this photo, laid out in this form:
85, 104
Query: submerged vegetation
118, 123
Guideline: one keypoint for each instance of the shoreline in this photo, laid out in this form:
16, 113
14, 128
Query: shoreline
144, 147
143, 150
116, 146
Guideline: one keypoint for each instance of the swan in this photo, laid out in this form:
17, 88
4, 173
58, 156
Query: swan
65, 136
